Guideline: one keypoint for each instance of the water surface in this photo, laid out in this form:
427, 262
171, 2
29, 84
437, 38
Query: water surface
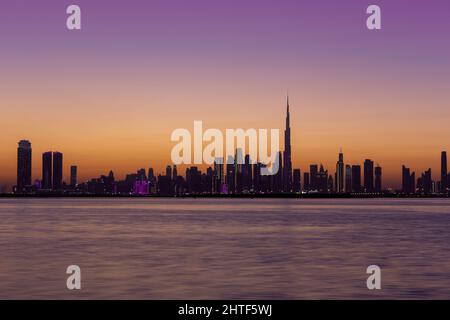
224, 248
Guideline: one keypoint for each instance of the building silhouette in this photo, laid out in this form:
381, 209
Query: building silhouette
368, 176
444, 174
218, 180
153, 181
238, 170
24, 157
52, 171
348, 178
425, 183
313, 171
141, 174
356, 179
47, 170
287, 156
340, 174
73, 176
296, 181
323, 180
306, 183
174, 173
57, 170
230, 174
169, 173
408, 181
247, 175
330, 184
238, 175
276, 180
378, 179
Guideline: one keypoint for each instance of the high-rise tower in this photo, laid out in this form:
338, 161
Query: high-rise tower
378, 179
340, 186
73, 176
47, 182
57, 170
287, 160
444, 178
52, 170
356, 178
23, 165
368, 176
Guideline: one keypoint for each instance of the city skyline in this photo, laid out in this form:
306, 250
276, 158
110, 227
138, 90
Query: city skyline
237, 174
110, 95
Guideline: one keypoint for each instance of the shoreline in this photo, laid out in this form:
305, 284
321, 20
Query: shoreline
234, 196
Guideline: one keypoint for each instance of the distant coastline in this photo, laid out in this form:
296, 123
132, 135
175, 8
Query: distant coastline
233, 196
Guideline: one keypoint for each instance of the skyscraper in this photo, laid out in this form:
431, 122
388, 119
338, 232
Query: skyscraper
444, 178
141, 174
230, 174
169, 173
247, 174
296, 184
73, 176
368, 175
448, 182
330, 185
348, 178
306, 186
238, 170
287, 157
47, 170
313, 171
218, 175
152, 180
378, 179
57, 170
406, 176
425, 183
257, 187
322, 180
151, 174
175, 173
23, 165
356, 178
408, 181
276, 184
340, 174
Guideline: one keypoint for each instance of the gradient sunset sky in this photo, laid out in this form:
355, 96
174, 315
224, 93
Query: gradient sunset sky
110, 95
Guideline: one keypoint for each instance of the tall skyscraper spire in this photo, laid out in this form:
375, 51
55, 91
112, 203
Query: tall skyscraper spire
288, 120
287, 162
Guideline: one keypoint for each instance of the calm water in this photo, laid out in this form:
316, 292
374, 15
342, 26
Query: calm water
227, 248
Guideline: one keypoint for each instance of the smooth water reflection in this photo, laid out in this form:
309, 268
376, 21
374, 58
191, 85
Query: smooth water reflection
224, 248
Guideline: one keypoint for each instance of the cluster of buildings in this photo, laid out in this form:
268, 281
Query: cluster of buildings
52, 171
239, 175
424, 184
347, 178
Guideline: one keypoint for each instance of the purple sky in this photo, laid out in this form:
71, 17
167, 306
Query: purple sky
228, 63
